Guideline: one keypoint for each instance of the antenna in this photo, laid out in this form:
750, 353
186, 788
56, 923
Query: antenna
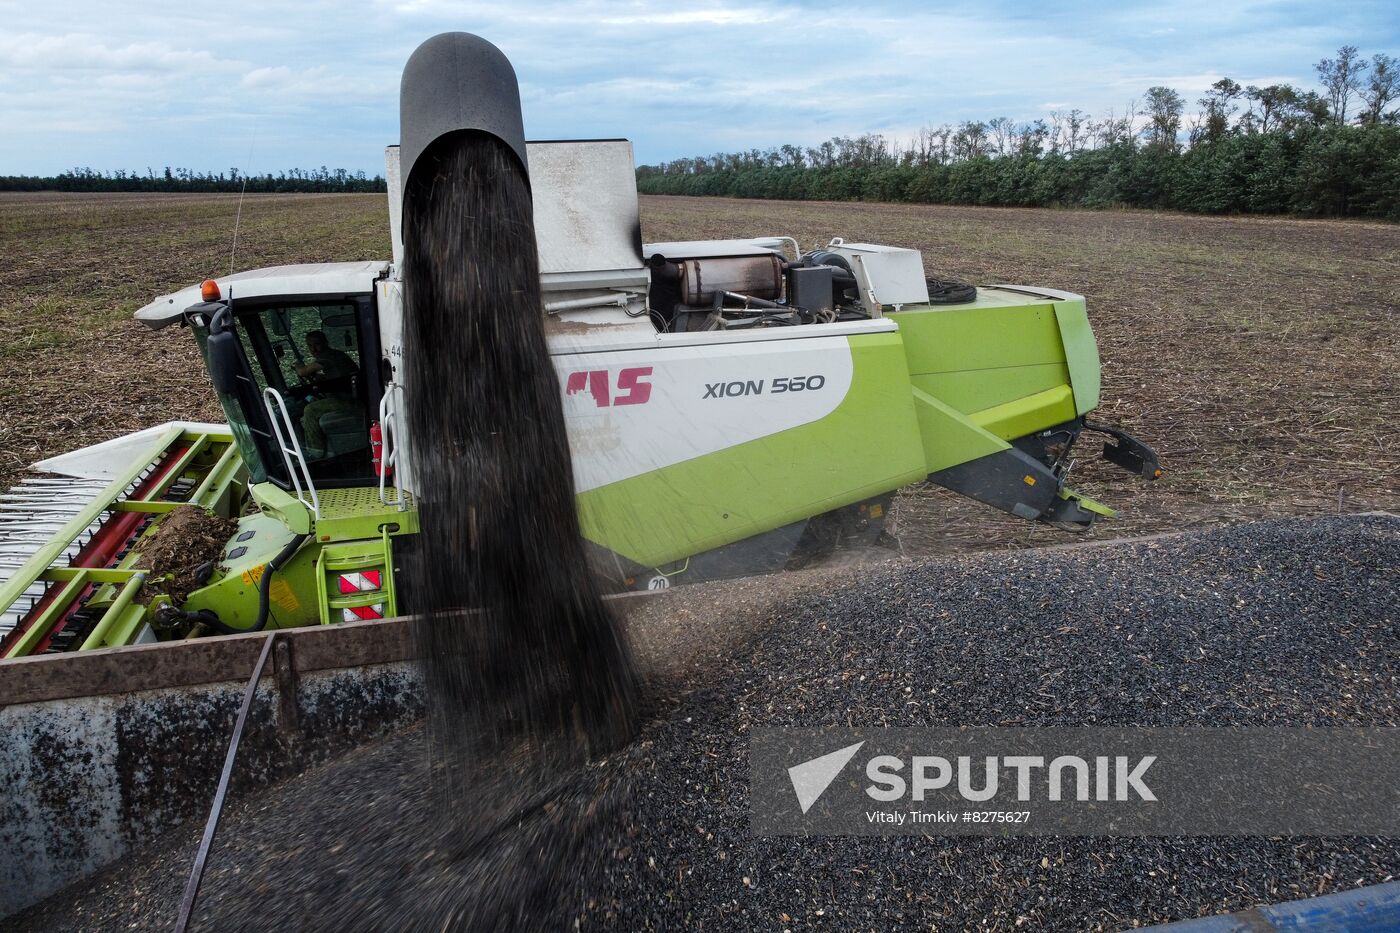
238, 218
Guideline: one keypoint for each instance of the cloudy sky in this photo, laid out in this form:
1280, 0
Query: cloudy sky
129, 85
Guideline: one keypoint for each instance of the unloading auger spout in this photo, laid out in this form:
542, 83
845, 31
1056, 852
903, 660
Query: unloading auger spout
517, 647
453, 82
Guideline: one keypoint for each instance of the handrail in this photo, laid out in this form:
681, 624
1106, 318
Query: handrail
388, 457
291, 447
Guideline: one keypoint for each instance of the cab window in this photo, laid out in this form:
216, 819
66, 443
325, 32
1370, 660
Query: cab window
313, 356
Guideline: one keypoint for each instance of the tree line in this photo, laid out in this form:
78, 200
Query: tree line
322, 180
1333, 150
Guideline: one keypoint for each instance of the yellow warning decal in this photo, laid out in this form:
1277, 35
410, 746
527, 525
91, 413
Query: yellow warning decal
283, 595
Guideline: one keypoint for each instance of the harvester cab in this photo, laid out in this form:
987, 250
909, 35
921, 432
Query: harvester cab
304, 355
732, 406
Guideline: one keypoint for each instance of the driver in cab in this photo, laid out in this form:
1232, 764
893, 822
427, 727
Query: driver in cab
331, 368
326, 361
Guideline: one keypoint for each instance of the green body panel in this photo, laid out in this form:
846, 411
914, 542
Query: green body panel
948, 436
1081, 354
286, 508
990, 336
1003, 347
1002, 367
233, 593
993, 370
976, 390
352, 534
869, 445
1023, 416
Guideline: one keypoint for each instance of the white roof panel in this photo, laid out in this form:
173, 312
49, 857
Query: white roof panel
315, 278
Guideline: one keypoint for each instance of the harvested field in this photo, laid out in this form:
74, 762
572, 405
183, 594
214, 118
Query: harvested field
1260, 356
1277, 623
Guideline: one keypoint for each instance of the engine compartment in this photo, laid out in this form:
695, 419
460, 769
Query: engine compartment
597, 276
710, 285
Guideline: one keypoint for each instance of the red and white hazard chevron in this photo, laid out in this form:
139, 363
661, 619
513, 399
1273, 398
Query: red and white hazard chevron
359, 613
361, 582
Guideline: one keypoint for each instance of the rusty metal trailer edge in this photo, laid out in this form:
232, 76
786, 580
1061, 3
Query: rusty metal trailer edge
103, 751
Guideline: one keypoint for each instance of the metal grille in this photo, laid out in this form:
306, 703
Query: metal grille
31, 513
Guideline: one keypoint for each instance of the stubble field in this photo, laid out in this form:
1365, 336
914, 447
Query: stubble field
1261, 357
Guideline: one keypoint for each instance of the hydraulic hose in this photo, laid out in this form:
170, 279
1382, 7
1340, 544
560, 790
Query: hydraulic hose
265, 584
264, 592
950, 292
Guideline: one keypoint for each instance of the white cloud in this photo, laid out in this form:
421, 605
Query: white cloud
273, 76
86, 52
718, 16
316, 82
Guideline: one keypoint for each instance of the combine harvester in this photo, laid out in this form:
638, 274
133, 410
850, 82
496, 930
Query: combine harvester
732, 405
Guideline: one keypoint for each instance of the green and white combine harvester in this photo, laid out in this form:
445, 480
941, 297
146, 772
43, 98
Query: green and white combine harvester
732, 406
